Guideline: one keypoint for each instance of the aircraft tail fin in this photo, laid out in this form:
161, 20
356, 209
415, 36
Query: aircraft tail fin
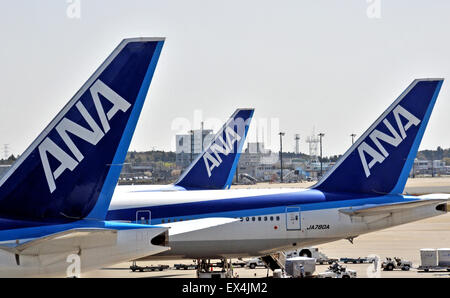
380, 161
69, 172
216, 166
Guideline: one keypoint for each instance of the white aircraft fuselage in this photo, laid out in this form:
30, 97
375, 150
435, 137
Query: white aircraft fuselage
267, 220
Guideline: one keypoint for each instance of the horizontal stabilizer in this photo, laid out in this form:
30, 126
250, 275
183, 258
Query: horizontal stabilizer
197, 224
368, 210
67, 241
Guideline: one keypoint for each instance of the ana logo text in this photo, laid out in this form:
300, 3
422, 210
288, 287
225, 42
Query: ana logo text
92, 136
225, 147
395, 139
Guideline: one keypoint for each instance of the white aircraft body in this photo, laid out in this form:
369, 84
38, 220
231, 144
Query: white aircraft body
362, 193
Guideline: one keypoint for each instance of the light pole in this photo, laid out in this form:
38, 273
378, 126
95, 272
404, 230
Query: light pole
353, 135
432, 164
281, 155
202, 135
320, 136
192, 144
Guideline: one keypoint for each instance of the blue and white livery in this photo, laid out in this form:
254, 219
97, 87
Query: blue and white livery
215, 167
54, 198
360, 194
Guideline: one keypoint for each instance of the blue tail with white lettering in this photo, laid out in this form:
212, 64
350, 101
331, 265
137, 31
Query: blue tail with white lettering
69, 172
215, 167
380, 161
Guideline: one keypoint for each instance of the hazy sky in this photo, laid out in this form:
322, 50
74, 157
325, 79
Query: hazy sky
332, 64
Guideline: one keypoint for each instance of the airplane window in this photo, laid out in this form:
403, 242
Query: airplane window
175, 220
278, 218
265, 218
253, 218
168, 220
247, 219
162, 221
271, 218
259, 218
242, 219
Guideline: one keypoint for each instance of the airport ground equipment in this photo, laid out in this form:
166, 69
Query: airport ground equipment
292, 177
256, 262
443, 257
293, 266
311, 252
279, 273
213, 274
337, 271
246, 179
326, 260
275, 260
358, 260
185, 266
239, 263
434, 259
396, 263
134, 267
205, 269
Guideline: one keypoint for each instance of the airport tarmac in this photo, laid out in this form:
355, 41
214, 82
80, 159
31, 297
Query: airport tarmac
403, 241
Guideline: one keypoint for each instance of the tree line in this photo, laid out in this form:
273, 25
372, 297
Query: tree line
134, 157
